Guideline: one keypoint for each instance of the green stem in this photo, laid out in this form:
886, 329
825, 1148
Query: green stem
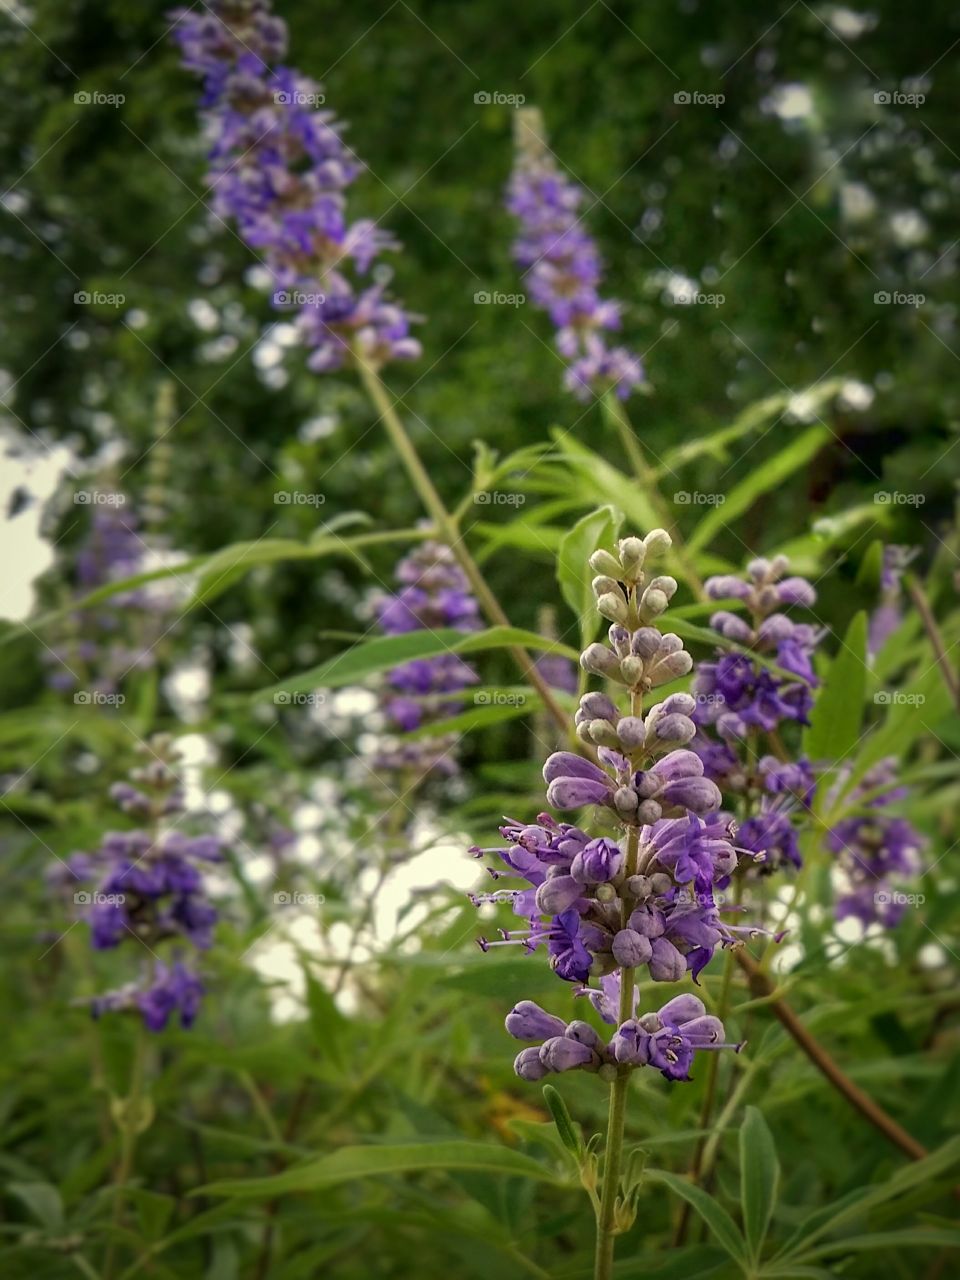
646, 478
129, 1129
617, 1113
448, 529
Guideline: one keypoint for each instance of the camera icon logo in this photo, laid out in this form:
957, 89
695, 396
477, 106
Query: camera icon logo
482, 99
682, 498
282, 98
282, 899
882, 298
682, 98
83, 899
281, 699
82, 298
282, 499
82, 98
481, 298
481, 699
882, 98
882, 698
82, 698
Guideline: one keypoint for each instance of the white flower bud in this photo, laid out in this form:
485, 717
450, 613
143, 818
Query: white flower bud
613, 607
604, 562
657, 540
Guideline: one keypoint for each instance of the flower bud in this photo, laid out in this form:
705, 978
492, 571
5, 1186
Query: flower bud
652, 603
649, 812
657, 540
631, 733
597, 706
631, 670
556, 894
527, 1021
613, 607
603, 584
583, 1033
599, 661
646, 642
631, 949
604, 562
603, 734
528, 1066
597, 862
626, 802
632, 555
666, 962
562, 1054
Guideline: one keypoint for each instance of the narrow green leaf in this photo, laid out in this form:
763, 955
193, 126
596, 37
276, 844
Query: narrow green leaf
713, 1214
350, 1163
384, 652
569, 1133
766, 477
929, 1237
598, 529
759, 1178
838, 711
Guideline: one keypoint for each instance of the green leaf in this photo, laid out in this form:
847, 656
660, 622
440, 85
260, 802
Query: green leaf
43, 1201
569, 1133
598, 529
384, 652
713, 1214
856, 1203
838, 711
350, 1163
766, 477
759, 1178
929, 1237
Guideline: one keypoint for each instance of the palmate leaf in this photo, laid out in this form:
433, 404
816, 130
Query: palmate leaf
384, 652
350, 1163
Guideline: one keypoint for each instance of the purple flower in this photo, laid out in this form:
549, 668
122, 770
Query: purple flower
278, 170
611, 908
148, 887
562, 269
434, 594
876, 851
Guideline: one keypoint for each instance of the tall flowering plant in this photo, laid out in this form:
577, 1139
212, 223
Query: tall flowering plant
634, 895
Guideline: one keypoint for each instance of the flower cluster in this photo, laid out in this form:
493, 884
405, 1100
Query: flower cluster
743, 702
562, 268
434, 594
279, 168
888, 615
875, 850
641, 896
148, 887
99, 652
